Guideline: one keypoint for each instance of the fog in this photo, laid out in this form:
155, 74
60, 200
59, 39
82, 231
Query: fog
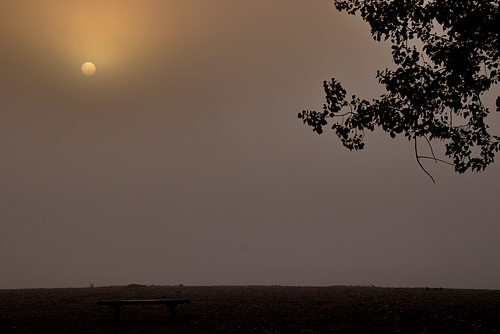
182, 160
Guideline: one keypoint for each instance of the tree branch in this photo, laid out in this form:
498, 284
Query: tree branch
430, 146
437, 160
418, 160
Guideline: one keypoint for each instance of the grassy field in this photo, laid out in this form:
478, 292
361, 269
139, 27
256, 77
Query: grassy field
253, 309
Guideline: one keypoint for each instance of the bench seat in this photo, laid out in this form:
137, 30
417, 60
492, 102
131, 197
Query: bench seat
116, 304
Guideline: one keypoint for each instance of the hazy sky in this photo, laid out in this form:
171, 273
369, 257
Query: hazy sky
182, 160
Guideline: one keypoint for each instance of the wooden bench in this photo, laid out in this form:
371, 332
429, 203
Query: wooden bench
116, 304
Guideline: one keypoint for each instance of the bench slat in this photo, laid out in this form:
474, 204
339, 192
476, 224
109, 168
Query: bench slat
116, 304
143, 301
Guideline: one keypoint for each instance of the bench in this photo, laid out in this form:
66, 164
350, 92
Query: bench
116, 304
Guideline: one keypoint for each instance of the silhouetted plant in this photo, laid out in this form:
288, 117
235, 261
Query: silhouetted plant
446, 54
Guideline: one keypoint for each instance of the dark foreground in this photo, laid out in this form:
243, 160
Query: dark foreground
253, 309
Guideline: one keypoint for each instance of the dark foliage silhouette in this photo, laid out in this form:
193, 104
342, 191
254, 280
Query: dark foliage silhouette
446, 55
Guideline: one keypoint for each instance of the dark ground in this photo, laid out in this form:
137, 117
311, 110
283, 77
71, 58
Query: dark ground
253, 309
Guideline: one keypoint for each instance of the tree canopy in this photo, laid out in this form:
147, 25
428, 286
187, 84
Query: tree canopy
446, 55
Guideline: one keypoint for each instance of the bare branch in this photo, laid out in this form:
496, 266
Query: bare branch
418, 160
437, 160
430, 146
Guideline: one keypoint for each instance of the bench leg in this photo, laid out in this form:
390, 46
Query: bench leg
171, 312
116, 312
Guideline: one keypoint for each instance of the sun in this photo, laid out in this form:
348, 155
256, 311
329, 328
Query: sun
88, 68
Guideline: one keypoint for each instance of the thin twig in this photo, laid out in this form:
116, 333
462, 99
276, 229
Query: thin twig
418, 160
430, 146
435, 159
